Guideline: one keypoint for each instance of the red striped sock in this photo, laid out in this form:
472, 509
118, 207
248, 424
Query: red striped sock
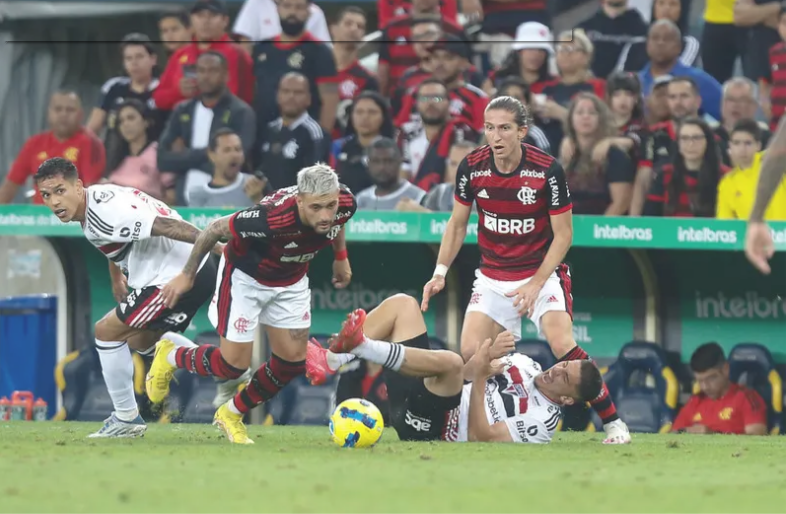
207, 361
603, 404
268, 380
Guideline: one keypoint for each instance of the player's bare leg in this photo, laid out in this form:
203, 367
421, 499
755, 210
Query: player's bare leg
557, 328
477, 328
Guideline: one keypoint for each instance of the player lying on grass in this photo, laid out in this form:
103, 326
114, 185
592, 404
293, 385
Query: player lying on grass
151, 242
509, 400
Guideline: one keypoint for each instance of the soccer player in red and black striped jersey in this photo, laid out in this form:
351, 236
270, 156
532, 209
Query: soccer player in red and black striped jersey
525, 228
262, 279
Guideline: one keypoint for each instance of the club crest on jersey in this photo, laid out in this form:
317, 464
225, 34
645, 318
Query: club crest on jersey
527, 195
103, 196
334, 230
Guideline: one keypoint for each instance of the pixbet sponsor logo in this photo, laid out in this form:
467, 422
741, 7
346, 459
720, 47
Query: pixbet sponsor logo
533, 174
481, 173
749, 305
356, 296
706, 235
378, 226
621, 233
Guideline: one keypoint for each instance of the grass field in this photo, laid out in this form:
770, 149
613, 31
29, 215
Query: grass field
48, 467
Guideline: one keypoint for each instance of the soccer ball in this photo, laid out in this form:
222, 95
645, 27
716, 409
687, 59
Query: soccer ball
356, 423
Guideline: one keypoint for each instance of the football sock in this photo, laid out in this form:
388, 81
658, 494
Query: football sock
117, 366
148, 352
603, 404
387, 354
206, 361
267, 381
336, 360
180, 340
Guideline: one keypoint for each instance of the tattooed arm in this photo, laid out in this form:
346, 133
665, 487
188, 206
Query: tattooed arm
172, 228
217, 230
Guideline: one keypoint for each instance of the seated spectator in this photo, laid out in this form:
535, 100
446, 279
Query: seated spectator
737, 189
671, 10
132, 163
623, 96
467, 102
657, 103
425, 144
389, 9
664, 46
600, 182
228, 188
369, 119
384, 166
441, 197
295, 50
65, 138
613, 29
396, 56
722, 407
516, 88
739, 103
183, 145
174, 29
259, 20
574, 56
688, 185
353, 79
773, 92
293, 141
209, 19
528, 60
139, 60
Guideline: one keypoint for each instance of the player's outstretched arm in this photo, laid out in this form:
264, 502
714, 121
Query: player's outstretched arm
217, 230
176, 229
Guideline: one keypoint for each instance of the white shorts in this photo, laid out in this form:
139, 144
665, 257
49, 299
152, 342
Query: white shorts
240, 304
488, 297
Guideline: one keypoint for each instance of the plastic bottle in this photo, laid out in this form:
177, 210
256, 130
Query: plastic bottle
22, 405
39, 410
5, 409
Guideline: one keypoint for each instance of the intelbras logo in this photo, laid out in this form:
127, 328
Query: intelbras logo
746, 305
706, 235
779, 236
621, 233
377, 226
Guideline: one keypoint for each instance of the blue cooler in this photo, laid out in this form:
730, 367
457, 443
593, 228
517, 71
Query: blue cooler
28, 347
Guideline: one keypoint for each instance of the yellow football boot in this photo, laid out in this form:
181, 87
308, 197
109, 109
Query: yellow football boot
232, 425
161, 372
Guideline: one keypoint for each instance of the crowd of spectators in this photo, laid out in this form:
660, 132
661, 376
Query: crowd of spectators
645, 118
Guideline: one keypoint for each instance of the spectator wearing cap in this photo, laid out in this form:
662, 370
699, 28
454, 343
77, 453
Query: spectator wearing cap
425, 144
737, 189
384, 166
739, 103
773, 94
389, 9
209, 19
760, 18
687, 185
664, 45
514, 87
294, 140
353, 79
657, 103
635, 58
65, 138
398, 54
132, 162
369, 118
295, 50
613, 29
600, 176
574, 55
528, 59
450, 56
259, 20
174, 29
139, 60
183, 144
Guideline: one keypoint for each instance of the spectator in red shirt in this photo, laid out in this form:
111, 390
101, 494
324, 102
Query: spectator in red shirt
209, 19
66, 138
722, 406
175, 30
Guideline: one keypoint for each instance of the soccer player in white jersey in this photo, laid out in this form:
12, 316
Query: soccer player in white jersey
509, 400
150, 242
525, 228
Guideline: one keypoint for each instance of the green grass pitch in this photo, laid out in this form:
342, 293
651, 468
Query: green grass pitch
52, 467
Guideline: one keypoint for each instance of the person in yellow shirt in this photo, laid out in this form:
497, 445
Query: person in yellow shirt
737, 189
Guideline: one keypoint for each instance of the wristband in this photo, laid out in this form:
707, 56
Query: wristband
340, 255
441, 270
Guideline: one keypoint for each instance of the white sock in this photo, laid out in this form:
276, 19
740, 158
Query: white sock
180, 341
336, 360
147, 353
117, 367
386, 354
232, 407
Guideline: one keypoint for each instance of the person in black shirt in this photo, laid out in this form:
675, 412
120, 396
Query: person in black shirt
294, 140
612, 30
369, 119
295, 50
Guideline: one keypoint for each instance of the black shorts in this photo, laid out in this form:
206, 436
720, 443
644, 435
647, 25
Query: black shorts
416, 413
144, 308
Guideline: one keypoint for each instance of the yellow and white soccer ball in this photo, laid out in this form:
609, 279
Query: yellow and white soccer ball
356, 423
